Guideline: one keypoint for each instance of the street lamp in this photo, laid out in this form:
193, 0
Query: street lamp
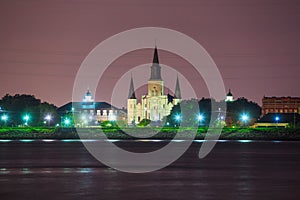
277, 118
26, 119
113, 118
177, 118
4, 118
67, 122
200, 118
83, 120
244, 118
48, 118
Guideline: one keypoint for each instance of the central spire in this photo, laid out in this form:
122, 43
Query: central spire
155, 68
155, 56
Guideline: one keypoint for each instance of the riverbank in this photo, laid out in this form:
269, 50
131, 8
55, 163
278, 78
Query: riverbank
158, 133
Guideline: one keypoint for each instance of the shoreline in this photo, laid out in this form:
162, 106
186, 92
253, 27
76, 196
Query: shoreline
261, 134
139, 140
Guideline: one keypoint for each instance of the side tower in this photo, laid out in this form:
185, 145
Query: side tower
177, 95
131, 105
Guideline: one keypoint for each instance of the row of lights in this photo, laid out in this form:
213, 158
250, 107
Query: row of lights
244, 118
200, 117
26, 118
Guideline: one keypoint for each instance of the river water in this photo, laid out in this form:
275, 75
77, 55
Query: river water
47, 169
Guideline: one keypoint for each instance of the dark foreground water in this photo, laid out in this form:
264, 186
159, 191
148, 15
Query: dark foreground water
233, 170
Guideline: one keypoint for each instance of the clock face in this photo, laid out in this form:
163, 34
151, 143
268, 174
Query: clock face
155, 88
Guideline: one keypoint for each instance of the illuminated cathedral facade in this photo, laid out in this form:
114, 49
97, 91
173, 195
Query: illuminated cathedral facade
155, 105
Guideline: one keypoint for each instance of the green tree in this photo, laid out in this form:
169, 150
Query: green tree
19, 105
234, 111
242, 106
144, 122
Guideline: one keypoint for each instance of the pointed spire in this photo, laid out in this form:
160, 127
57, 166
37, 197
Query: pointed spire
131, 94
155, 68
229, 93
177, 90
155, 56
88, 93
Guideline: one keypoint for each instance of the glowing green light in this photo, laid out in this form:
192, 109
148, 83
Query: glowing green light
26, 118
4, 117
48, 117
67, 121
177, 117
244, 117
200, 117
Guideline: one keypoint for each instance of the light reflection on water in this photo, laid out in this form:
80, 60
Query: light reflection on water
26, 140
65, 170
137, 140
5, 140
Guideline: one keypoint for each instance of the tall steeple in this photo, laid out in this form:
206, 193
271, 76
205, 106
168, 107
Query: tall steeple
155, 68
131, 94
155, 56
177, 90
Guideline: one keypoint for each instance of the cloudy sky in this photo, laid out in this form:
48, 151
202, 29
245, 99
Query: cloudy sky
255, 43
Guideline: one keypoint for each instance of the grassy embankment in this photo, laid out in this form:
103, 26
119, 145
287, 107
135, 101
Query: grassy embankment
163, 133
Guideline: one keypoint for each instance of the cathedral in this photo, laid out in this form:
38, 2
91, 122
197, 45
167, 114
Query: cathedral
155, 105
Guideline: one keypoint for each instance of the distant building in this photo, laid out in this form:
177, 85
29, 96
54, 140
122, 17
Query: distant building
155, 105
229, 97
280, 105
90, 113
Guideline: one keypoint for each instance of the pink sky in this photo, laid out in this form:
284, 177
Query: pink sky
255, 43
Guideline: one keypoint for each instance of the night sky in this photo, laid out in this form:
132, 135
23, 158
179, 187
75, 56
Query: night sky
255, 43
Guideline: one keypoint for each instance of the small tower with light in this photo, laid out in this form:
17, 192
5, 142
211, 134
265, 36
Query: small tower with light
229, 97
88, 101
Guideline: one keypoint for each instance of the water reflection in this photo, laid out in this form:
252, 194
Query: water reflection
66, 170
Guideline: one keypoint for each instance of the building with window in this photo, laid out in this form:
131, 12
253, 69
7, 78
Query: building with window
280, 105
155, 105
91, 113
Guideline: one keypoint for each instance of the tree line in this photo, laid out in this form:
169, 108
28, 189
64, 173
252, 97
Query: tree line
16, 107
199, 112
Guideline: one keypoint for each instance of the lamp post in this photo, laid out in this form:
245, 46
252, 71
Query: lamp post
4, 118
48, 119
177, 119
200, 118
26, 119
67, 122
277, 120
244, 119
83, 120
